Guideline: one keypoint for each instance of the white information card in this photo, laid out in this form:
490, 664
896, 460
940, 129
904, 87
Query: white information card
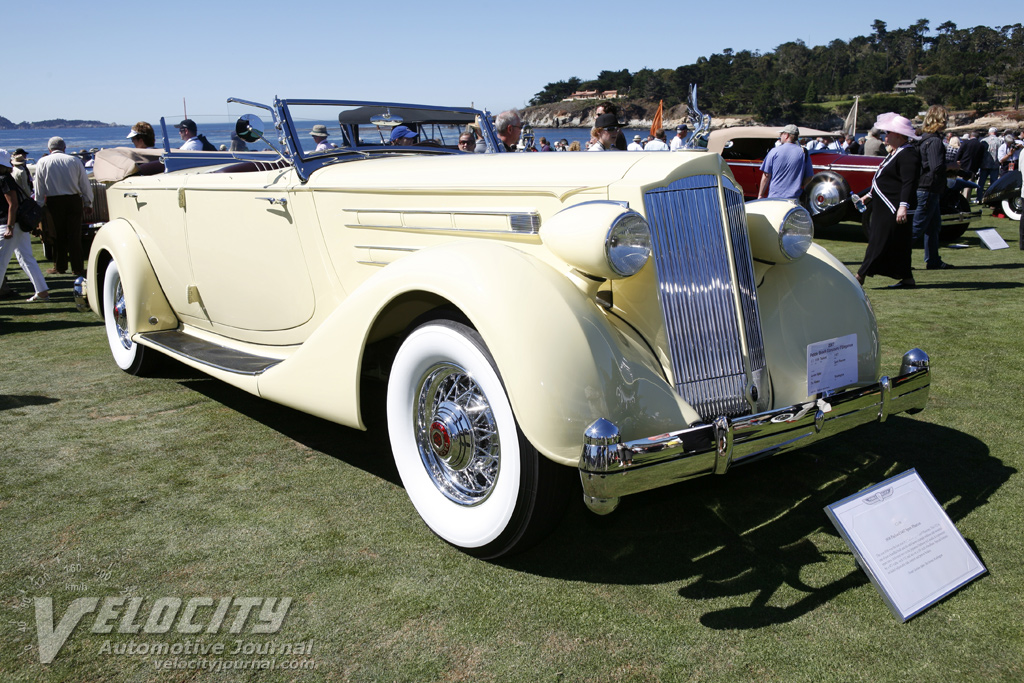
992, 239
831, 364
906, 543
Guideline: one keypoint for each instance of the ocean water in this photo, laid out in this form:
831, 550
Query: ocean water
34, 141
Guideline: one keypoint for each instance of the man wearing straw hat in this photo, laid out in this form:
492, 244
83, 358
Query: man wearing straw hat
319, 134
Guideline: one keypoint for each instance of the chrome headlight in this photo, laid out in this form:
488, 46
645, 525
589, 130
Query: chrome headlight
629, 244
796, 233
604, 239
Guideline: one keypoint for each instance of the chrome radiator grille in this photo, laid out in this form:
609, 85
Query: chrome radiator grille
695, 255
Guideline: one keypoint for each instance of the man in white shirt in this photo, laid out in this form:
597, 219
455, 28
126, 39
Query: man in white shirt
188, 131
636, 145
681, 138
658, 144
319, 134
62, 185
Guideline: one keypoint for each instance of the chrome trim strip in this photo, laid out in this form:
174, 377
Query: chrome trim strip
519, 221
610, 469
439, 231
435, 210
852, 168
383, 248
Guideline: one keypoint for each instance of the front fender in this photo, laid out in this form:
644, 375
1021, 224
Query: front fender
563, 362
810, 300
148, 309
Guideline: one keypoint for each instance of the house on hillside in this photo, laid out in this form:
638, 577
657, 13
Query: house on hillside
908, 87
593, 95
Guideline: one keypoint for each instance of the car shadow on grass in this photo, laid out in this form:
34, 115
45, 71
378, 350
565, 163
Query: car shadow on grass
367, 450
11, 401
758, 531
35, 324
761, 529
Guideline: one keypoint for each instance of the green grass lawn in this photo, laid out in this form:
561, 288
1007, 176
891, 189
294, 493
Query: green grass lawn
181, 486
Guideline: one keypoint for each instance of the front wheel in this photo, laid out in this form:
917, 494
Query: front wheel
129, 356
470, 473
1012, 207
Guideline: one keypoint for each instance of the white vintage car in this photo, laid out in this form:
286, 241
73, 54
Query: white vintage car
624, 316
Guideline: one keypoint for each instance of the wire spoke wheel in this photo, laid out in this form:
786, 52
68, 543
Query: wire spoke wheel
466, 466
457, 435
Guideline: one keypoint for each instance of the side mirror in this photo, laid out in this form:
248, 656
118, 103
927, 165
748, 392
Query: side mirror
249, 127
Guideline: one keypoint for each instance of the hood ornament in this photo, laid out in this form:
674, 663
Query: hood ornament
700, 122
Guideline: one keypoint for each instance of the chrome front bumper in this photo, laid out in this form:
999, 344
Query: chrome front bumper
611, 469
960, 217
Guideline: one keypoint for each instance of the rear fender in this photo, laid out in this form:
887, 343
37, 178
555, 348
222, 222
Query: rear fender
148, 310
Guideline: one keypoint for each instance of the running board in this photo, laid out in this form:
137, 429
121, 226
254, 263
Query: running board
178, 343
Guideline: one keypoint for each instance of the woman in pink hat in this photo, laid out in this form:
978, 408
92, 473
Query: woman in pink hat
893, 197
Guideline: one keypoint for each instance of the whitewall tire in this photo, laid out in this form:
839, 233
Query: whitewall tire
1012, 208
128, 355
469, 472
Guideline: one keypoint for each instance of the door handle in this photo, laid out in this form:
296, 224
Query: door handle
275, 200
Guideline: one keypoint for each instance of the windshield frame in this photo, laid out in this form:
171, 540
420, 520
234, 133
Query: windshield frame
307, 163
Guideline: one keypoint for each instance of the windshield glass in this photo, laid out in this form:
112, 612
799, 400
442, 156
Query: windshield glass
329, 128
214, 131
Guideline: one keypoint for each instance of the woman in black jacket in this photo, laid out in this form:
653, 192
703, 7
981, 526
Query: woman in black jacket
928, 219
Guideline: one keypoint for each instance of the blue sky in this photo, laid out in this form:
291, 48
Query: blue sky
120, 61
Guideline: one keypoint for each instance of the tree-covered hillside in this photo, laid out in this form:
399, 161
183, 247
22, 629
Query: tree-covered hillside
979, 67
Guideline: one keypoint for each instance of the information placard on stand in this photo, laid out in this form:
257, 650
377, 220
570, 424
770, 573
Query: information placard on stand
906, 543
992, 239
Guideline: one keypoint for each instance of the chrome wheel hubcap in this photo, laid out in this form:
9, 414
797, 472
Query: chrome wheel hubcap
824, 195
121, 316
457, 435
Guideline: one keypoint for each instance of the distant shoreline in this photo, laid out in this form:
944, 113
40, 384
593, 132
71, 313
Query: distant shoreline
7, 124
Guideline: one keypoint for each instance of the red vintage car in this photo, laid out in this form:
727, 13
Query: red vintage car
836, 175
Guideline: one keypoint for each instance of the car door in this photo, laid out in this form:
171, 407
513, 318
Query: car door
248, 265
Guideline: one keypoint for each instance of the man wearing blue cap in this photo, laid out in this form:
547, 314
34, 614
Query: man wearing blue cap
403, 135
189, 134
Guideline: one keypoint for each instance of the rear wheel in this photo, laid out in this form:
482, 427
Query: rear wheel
129, 356
470, 473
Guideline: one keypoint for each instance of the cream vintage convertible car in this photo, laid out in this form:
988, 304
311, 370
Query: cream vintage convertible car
624, 319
